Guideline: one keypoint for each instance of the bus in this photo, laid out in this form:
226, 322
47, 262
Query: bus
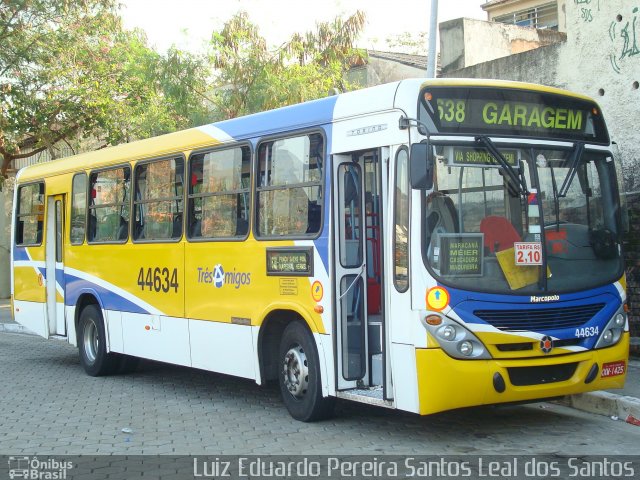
423, 245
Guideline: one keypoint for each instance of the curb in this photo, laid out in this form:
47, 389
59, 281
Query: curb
15, 328
605, 403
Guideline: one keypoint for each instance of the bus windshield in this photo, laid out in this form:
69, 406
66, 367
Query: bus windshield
540, 220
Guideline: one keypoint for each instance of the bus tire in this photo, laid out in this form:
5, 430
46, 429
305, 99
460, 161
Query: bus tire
299, 375
92, 344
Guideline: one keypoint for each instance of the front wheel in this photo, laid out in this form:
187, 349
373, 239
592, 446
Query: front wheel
92, 344
299, 375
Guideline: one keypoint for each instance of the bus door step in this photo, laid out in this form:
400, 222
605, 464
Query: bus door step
370, 396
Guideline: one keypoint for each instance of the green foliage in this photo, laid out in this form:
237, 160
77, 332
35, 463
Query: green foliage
69, 70
249, 77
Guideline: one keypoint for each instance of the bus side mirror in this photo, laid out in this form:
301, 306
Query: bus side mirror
421, 166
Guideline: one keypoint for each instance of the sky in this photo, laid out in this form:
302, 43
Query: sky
189, 23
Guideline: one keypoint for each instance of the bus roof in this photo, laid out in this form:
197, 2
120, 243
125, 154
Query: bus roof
474, 82
295, 117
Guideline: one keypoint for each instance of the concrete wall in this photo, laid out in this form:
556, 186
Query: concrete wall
380, 70
465, 41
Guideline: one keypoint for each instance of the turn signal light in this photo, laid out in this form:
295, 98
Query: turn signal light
318, 309
434, 320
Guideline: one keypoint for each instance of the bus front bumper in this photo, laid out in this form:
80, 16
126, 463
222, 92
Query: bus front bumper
445, 383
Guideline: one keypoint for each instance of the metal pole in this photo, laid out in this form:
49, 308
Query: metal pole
433, 30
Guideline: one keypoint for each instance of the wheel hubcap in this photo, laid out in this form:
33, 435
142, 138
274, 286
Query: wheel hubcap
296, 372
90, 341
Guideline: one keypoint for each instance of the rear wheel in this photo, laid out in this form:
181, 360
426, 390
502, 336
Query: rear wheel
92, 343
299, 375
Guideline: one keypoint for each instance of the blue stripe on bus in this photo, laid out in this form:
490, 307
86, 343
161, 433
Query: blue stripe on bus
76, 286
318, 113
322, 242
294, 117
20, 254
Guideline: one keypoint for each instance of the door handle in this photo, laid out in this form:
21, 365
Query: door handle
354, 282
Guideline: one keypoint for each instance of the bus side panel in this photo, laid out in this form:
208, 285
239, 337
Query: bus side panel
223, 347
145, 279
156, 337
29, 292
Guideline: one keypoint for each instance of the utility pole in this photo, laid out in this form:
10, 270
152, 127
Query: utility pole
433, 31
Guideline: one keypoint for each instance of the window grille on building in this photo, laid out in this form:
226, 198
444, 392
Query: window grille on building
542, 16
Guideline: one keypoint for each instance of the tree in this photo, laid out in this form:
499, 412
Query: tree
249, 77
69, 70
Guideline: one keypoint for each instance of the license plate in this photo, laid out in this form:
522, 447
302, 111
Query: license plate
613, 369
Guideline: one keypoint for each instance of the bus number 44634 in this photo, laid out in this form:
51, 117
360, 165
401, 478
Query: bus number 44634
158, 279
587, 332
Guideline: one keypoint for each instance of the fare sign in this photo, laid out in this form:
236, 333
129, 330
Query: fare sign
528, 253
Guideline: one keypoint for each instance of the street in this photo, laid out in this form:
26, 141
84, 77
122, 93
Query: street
49, 406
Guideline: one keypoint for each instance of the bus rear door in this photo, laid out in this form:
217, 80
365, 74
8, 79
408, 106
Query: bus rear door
54, 265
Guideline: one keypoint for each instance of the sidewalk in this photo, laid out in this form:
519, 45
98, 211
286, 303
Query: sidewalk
621, 404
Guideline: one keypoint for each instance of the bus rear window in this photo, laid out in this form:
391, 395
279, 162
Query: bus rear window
30, 217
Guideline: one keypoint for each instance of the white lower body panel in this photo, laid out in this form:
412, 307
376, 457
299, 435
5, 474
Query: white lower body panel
223, 347
165, 339
405, 377
32, 315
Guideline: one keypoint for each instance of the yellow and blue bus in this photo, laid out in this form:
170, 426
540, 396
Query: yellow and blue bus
422, 245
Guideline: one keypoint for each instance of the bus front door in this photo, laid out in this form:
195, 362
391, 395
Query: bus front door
357, 282
55, 284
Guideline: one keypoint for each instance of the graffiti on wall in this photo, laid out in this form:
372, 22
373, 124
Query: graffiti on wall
586, 9
624, 33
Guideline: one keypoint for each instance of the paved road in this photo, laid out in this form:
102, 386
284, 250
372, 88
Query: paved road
49, 406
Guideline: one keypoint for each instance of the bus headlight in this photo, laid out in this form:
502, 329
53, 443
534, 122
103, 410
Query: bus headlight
456, 340
613, 330
448, 332
466, 348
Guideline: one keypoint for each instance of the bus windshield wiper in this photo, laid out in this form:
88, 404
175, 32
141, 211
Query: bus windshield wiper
495, 153
575, 161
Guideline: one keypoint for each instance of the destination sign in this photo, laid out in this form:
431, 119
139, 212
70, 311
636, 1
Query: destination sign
513, 112
294, 261
473, 157
461, 254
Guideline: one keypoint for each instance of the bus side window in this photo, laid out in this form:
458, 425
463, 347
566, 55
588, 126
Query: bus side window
30, 217
289, 193
109, 205
158, 203
78, 208
218, 194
